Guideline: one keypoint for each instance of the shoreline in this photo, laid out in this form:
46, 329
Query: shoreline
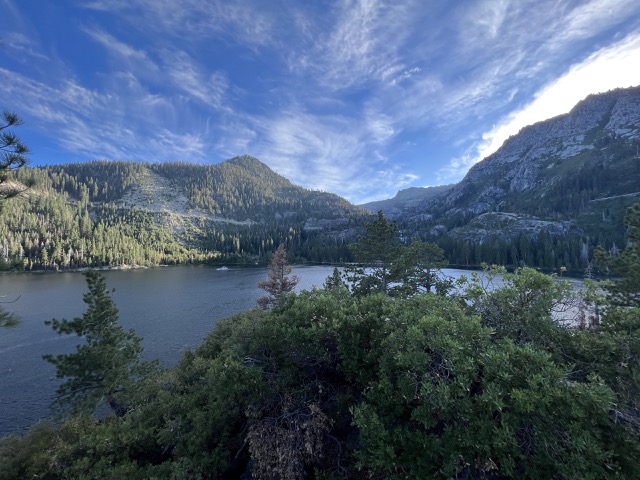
144, 267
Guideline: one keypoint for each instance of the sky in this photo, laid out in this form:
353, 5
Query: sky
360, 98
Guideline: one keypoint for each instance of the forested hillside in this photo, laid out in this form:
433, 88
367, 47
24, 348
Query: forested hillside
122, 213
546, 199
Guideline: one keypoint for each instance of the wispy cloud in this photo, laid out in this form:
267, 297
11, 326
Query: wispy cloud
188, 77
235, 21
592, 17
358, 97
484, 19
172, 66
117, 47
362, 44
609, 68
100, 125
327, 152
23, 45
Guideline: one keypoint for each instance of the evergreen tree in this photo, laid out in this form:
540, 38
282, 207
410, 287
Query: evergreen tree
332, 386
419, 268
334, 280
279, 282
103, 367
13, 154
626, 291
378, 249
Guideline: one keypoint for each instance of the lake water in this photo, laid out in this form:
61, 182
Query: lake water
171, 308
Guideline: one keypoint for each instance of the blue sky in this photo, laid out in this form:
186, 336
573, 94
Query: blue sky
359, 98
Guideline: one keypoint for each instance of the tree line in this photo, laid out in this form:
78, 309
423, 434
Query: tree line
75, 217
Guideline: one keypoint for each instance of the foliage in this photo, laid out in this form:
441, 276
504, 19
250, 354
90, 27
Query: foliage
334, 281
104, 366
419, 269
13, 155
330, 385
610, 347
452, 403
524, 306
279, 282
377, 250
626, 291
110, 214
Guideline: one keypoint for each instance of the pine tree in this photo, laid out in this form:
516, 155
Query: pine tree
626, 291
420, 266
13, 154
103, 367
378, 249
279, 282
334, 281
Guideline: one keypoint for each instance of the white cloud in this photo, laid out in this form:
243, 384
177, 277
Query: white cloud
612, 67
485, 17
25, 46
336, 86
174, 67
363, 44
236, 21
326, 152
186, 75
95, 124
591, 17
115, 46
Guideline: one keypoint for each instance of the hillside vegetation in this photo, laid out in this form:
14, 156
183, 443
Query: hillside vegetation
476, 383
546, 199
123, 213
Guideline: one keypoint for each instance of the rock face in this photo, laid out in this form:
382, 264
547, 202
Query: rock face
549, 176
509, 226
516, 167
405, 200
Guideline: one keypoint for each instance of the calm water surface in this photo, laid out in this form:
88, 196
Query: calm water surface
172, 309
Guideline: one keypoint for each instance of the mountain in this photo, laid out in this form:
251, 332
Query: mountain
546, 198
591, 152
405, 200
119, 213
569, 178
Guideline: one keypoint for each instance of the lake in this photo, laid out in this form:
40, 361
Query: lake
171, 308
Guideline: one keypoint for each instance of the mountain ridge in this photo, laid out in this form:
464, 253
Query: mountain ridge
547, 151
113, 213
559, 187
564, 182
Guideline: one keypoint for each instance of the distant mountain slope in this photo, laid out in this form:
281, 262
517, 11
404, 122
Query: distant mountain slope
568, 179
545, 198
582, 168
406, 199
235, 189
551, 167
114, 213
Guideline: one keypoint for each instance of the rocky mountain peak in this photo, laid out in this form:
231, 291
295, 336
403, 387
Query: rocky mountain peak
516, 167
568, 176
